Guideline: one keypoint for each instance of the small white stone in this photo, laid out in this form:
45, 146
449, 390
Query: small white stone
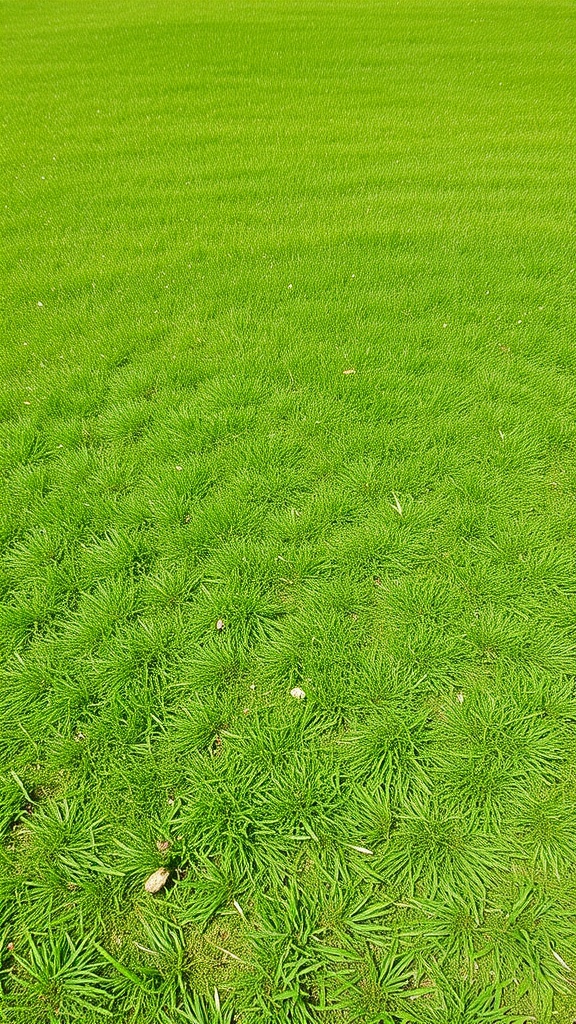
297, 693
157, 881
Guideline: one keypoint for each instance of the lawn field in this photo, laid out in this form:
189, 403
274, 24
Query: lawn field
287, 512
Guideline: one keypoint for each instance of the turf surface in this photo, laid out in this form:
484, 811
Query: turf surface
288, 403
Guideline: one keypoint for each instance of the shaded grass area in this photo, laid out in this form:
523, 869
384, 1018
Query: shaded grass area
288, 350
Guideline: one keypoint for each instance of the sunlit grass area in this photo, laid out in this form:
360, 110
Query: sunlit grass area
287, 513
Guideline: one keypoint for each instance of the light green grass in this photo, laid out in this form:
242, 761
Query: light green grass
214, 212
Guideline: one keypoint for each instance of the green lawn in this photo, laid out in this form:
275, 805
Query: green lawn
288, 402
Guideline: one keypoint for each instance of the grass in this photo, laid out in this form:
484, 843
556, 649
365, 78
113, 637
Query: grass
288, 348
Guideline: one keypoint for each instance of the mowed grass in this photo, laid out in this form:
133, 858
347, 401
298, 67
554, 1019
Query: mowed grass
288, 401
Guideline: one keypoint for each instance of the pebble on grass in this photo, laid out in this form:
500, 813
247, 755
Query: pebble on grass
297, 693
157, 880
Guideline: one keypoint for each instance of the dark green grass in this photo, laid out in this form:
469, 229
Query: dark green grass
214, 212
